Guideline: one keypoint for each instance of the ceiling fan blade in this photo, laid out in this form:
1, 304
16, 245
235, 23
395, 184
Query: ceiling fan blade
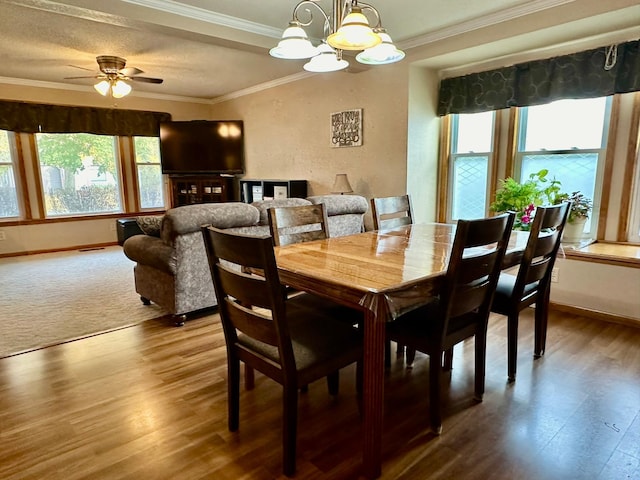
130, 71
83, 68
73, 78
147, 79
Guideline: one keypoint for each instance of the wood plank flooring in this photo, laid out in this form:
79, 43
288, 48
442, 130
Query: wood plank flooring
149, 402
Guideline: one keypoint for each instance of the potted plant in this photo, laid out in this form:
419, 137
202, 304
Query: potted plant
578, 215
523, 198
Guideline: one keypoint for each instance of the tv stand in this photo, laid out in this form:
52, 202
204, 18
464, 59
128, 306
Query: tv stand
191, 189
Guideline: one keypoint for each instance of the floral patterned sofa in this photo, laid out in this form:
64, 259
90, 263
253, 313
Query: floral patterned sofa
171, 265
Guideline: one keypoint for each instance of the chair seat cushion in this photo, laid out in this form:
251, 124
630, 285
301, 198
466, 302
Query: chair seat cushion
504, 292
317, 340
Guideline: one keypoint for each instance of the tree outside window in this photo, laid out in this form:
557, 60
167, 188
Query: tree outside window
8, 193
79, 173
149, 170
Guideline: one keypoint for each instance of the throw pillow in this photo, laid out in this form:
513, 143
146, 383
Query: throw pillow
150, 224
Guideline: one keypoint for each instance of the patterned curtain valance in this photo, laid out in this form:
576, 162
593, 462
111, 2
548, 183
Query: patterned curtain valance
579, 75
33, 117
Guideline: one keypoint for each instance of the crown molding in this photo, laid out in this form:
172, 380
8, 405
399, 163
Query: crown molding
196, 13
507, 14
262, 86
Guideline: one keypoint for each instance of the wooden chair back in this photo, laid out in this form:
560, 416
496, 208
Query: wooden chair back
249, 303
474, 267
298, 224
391, 212
537, 262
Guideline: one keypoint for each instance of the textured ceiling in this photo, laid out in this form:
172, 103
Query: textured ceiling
205, 49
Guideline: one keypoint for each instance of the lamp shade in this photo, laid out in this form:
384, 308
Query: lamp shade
295, 44
381, 54
354, 33
120, 89
326, 61
341, 184
103, 87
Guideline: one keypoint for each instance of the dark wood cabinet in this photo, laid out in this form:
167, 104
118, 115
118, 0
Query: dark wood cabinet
254, 190
188, 190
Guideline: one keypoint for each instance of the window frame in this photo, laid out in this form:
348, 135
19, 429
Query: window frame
16, 173
449, 159
136, 177
599, 194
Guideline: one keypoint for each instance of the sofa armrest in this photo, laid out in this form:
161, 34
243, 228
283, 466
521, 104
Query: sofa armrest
151, 251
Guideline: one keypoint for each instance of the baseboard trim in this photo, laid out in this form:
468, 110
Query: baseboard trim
595, 314
53, 250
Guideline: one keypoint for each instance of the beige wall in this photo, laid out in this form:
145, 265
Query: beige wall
287, 130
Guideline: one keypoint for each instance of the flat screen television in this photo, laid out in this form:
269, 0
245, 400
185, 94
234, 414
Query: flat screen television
202, 147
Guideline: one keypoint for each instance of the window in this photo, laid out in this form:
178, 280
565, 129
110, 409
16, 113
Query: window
471, 149
8, 193
149, 171
79, 173
634, 227
568, 138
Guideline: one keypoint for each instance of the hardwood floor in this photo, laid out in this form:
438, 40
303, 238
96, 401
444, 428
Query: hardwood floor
149, 402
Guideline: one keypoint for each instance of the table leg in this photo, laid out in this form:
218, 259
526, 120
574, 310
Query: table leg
373, 389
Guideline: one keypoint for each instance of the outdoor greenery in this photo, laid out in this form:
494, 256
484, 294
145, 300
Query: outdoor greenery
70, 153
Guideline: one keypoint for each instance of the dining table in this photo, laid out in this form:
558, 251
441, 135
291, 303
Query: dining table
385, 273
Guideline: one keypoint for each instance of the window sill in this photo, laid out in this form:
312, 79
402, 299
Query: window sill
621, 254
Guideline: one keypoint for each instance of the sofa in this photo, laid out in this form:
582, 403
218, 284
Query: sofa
171, 267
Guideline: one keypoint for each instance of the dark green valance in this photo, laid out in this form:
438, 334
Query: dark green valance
34, 117
579, 75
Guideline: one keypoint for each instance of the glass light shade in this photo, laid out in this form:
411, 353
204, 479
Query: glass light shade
341, 184
102, 87
295, 44
120, 89
325, 61
381, 54
354, 33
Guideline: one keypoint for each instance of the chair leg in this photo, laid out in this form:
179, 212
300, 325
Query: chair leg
541, 318
512, 346
289, 430
435, 381
233, 393
480, 363
333, 382
400, 350
410, 356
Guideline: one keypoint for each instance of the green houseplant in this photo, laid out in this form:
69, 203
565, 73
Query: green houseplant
523, 198
578, 214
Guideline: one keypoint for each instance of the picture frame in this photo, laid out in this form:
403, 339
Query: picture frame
346, 128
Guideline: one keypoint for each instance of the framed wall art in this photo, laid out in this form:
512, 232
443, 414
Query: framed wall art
346, 128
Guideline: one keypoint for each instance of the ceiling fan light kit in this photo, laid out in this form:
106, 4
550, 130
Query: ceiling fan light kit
114, 75
348, 29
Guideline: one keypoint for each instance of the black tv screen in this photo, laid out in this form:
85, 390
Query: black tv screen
202, 146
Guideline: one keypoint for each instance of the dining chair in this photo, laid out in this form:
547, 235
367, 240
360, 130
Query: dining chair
297, 224
532, 283
461, 310
391, 212
292, 340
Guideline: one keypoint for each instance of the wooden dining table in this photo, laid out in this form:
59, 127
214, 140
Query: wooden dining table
385, 273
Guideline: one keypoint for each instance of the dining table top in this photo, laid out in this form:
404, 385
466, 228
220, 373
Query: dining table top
380, 262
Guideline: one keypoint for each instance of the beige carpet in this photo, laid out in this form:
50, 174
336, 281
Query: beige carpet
51, 298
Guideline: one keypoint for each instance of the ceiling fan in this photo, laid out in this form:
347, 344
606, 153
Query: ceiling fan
113, 76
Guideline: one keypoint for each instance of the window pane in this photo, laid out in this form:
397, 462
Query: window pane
8, 192
474, 132
469, 187
79, 173
151, 192
565, 125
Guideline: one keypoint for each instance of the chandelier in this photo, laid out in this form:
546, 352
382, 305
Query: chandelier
113, 86
346, 28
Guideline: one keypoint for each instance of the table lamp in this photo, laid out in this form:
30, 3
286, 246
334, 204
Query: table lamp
341, 184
